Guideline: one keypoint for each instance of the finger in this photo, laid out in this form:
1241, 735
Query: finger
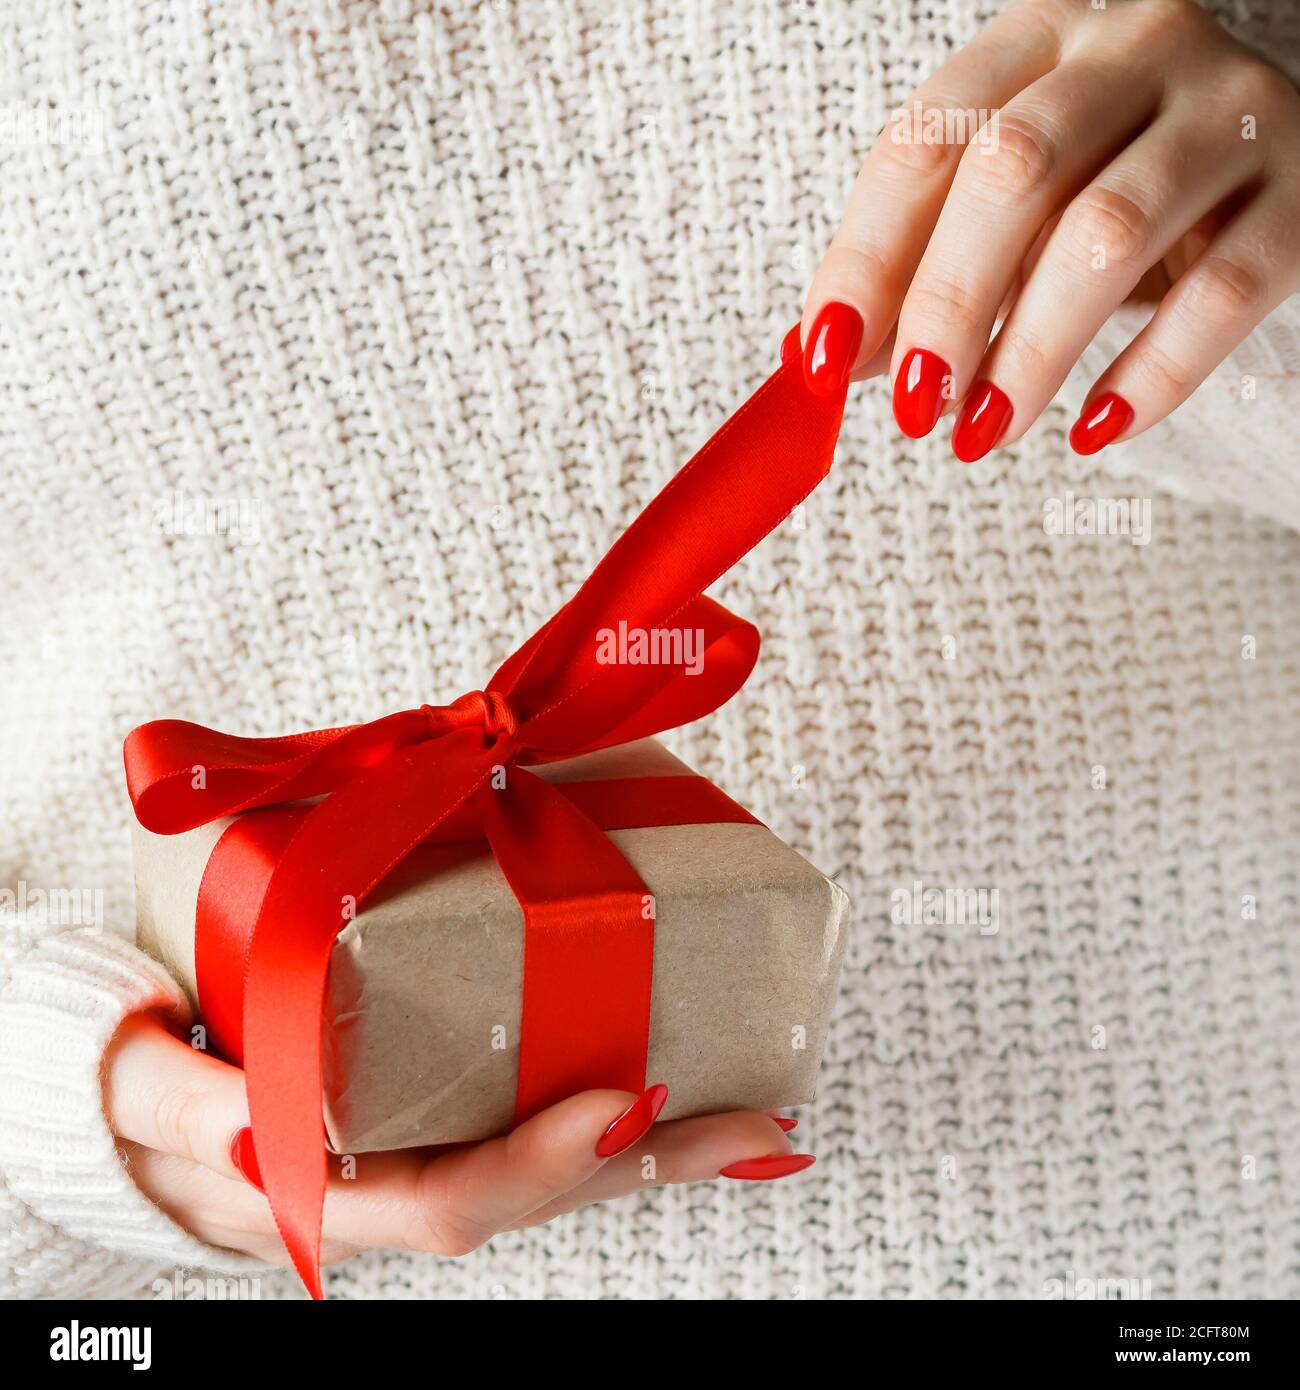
878, 363
695, 1150
1107, 239
161, 1093
1244, 273
1044, 145
900, 190
452, 1202
477, 1192
448, 1203
212, 1208
229, 1215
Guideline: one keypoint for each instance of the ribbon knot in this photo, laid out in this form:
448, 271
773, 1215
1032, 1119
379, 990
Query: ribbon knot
488, 708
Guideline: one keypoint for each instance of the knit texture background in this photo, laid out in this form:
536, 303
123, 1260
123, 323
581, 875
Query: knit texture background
430, 299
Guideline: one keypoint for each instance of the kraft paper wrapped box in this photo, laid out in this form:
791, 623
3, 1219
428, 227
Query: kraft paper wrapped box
422, 1013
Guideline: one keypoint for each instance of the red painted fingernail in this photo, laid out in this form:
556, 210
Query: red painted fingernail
790, 345
832, 348
768, 1167
918, 392
1099, 423
786, 1125
633, 1123
983, 420
244, 1156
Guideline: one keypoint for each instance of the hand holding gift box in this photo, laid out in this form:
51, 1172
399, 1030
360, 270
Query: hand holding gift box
288, 885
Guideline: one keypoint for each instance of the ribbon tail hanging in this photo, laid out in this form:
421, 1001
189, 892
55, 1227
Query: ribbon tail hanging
343, 848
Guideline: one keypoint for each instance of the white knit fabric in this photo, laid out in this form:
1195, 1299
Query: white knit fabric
74, 1223
417, 305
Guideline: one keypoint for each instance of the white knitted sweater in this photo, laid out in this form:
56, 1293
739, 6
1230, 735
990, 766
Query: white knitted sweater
431, 298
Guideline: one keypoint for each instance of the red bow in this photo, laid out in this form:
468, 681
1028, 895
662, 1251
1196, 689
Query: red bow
389, 785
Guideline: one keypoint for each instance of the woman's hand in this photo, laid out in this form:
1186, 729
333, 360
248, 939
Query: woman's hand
1137, 150
182, 1114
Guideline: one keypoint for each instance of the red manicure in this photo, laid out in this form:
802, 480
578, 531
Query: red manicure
831, 349
1099, 423
790, 345
768, 1167
918, 392
244, 1156
985, 415
633, 1123
786, 1125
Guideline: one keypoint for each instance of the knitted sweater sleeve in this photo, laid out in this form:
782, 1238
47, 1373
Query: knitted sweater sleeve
72, 1222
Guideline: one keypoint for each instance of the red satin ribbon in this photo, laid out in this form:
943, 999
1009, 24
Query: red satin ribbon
241, 863
389, 785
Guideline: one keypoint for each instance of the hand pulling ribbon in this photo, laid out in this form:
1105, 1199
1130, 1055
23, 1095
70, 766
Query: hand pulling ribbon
426, 774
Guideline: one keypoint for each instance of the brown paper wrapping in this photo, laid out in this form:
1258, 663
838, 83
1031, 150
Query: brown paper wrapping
422, 1017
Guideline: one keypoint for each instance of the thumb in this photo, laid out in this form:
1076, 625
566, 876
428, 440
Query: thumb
163, 1094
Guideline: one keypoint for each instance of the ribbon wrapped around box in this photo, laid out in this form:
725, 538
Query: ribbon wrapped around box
284, 847
423, 1001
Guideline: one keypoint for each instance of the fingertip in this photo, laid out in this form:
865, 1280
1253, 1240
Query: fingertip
1100, 422
574, 1125
244, 1156
983, 421
768, 1167
832, 347
705, 1146
633, 1123
163, 1094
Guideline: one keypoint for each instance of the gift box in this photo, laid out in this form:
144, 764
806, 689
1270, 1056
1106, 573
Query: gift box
421, 1027
432, 925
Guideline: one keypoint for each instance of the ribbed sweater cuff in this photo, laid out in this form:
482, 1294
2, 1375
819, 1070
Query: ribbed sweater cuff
63, 1001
